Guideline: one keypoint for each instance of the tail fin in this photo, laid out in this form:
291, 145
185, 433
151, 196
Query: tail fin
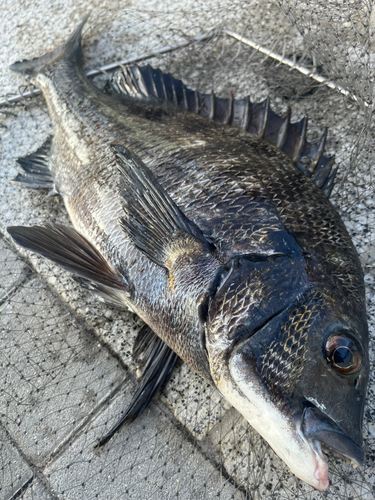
71, 48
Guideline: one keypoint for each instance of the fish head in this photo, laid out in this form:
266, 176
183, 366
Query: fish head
295, 364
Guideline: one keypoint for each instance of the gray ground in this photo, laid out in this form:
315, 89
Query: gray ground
65, 358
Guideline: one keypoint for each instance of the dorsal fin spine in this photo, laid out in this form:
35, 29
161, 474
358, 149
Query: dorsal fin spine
302, 139
175, 102
265, 118
255, 118
196, 97
247, 114
284, 129
144, 90
152, 80
319, 149
212, 106
165, 96
229, 115
185, 97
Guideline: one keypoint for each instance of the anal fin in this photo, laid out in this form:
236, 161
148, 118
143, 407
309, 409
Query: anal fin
36, 169
157, 363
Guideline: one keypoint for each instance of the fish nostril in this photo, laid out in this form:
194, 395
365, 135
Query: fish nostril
356, 382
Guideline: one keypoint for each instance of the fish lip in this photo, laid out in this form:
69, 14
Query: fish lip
282, 430
320, 429
321, 469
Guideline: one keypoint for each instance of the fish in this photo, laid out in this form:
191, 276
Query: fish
200, 215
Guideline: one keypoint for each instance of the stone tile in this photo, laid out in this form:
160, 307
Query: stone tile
149, 458
14, 470
53, 372
12, 270
37, 491
193, 402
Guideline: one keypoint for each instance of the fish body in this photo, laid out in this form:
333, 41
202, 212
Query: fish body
230, 254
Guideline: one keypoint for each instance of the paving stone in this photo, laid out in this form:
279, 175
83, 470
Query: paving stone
146, 459
193, 402
14, 470
12, 270
53, 373
37, 491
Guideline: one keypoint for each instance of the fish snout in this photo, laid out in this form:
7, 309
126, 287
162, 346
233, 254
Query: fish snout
319, 429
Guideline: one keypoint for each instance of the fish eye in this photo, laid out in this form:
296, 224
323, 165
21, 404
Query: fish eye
343, 354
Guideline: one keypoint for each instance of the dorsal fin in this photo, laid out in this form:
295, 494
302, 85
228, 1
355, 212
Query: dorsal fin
255, 118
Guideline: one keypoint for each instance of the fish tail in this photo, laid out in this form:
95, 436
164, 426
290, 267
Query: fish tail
70, 49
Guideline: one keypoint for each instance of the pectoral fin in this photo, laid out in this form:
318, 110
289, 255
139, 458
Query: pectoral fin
152, 220
70, 250
109, 295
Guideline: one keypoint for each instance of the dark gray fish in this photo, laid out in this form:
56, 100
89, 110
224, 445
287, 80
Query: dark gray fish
223, 242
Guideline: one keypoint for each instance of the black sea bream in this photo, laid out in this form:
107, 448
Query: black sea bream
222, 242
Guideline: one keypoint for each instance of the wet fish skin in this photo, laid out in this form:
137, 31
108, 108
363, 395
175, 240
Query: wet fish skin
249, 287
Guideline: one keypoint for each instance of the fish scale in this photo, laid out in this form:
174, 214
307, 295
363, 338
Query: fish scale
282, 364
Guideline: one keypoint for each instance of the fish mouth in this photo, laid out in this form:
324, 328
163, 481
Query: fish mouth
320, 430
296, 435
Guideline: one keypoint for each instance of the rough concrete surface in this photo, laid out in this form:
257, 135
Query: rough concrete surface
65, 357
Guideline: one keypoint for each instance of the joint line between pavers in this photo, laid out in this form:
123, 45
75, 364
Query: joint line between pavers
21, 489
204, 447
28, 276
77, 431
35, 471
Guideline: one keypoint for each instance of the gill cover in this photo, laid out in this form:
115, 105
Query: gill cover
276, 373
